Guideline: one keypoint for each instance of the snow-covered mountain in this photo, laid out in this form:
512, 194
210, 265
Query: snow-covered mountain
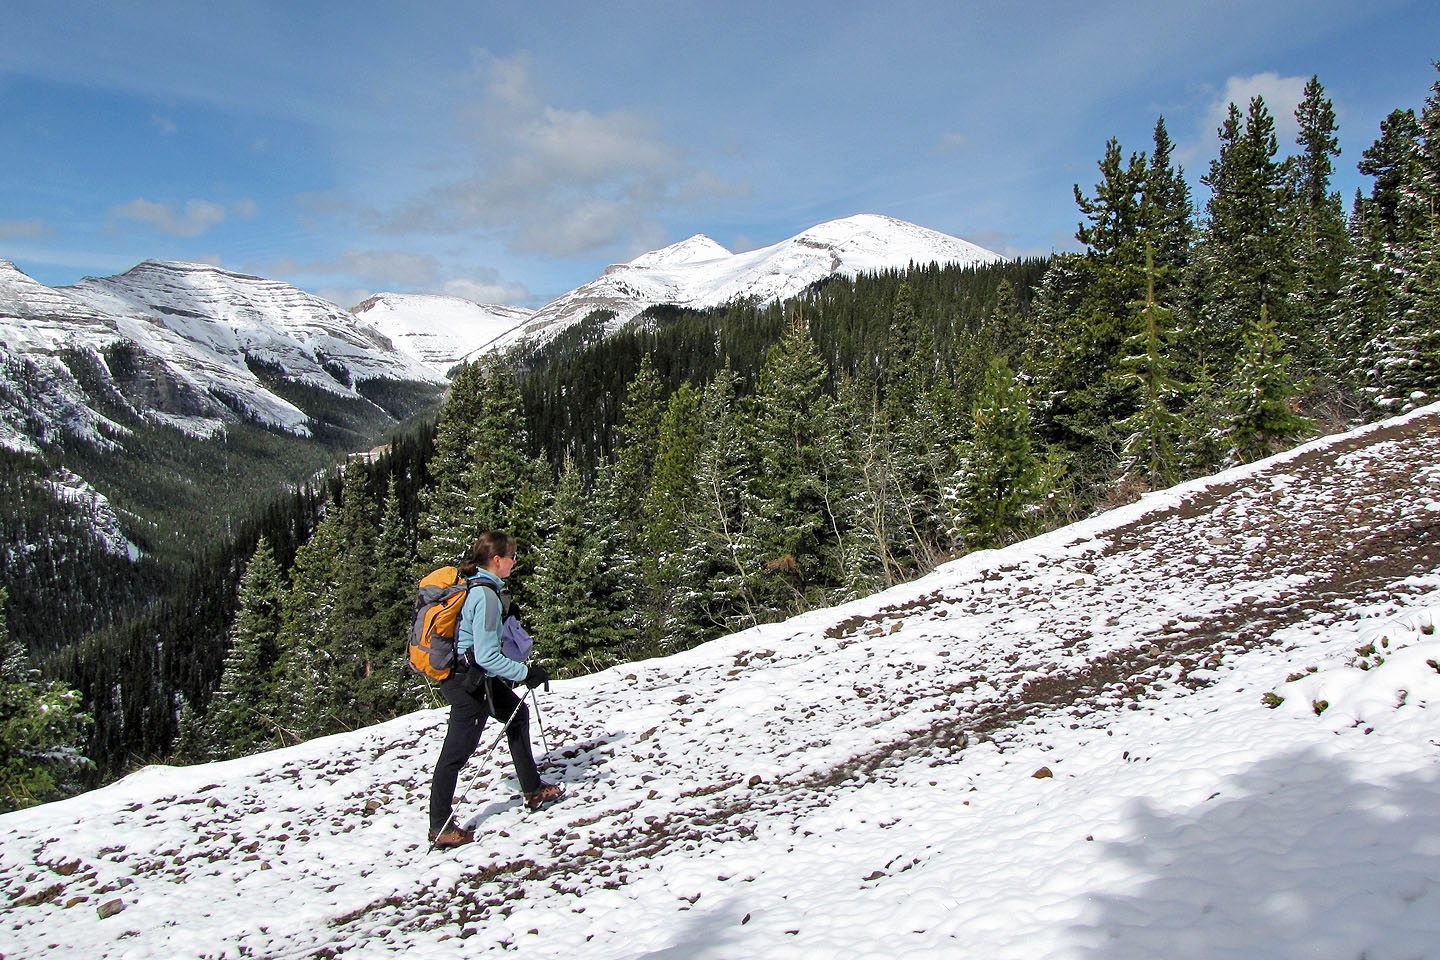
197, 345
1204, 725
701, 273
440, 331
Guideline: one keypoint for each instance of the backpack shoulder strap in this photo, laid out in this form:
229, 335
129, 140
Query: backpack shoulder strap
506, 601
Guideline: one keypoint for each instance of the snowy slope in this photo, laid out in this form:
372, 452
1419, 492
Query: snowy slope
200, 332
700, 273
1069, 748
439, 331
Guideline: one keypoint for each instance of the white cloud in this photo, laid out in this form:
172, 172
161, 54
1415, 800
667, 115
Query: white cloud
23, 229
1282, 95
377, 270
346, 298
489, 290
198, 216
556, 181
953, 141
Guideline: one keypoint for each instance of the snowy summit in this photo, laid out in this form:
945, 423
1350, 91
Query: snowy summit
700, 273
1205, 725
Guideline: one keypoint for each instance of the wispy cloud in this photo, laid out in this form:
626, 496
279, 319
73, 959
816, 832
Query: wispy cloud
23, 229
560, 182
197, 217
403, 271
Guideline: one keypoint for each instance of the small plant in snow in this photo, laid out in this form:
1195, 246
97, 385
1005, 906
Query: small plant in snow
1272, 699
1320, 706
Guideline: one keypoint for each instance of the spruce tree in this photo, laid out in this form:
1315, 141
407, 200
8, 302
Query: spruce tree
1167, 217
918, 429
449, 517
580, 625
997, 490
784, 432
1261, 400
1322, 241
730, 565
1249, 239
245, 714
1150, 369
485, 478
400, 689
360, 660
315, 694
638, 444
42, 727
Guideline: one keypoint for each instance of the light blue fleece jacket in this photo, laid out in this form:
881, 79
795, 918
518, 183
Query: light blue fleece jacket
479, 630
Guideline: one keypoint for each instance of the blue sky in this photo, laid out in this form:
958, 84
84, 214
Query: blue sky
509, 152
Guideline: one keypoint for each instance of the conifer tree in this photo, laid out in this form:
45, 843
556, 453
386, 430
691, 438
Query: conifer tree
1261, 400
1089, 304
400, 690
730, 563
871, 541
42, 727
1149, 369
358, 656
1322, 241
918, 418
672, 479
1399, 216
1249, 240
450, 517
1392, 160
485, 478
998, 487
245, 715
784, 432
309, 696
581, 623
1167, 217
1204, 448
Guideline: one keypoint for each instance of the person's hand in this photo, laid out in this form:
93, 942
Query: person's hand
536, 676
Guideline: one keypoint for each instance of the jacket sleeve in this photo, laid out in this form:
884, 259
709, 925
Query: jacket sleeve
481, 616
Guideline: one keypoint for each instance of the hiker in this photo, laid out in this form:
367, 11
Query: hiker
480, 686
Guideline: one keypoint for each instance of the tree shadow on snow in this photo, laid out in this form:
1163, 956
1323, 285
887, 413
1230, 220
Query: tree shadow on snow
1292, 858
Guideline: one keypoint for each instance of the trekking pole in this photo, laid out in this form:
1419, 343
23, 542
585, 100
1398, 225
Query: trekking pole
536, 697
485, 755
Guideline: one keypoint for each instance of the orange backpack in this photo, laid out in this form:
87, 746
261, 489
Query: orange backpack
437, 610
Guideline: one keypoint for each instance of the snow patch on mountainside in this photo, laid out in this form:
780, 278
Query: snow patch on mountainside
439, 331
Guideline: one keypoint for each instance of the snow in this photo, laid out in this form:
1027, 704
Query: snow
1106, 742
439, 331
104, 521
194, 327
700, 273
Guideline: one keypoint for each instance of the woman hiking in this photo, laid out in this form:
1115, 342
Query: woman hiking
480, 687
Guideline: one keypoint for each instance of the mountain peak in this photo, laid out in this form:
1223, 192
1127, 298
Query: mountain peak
696, 249
699, 273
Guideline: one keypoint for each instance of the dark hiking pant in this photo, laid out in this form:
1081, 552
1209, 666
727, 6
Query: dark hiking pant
468, 711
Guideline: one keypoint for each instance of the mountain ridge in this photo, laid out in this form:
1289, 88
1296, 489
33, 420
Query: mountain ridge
686, 274
696, 272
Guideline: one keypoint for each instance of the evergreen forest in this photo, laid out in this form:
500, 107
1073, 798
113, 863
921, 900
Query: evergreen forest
699, 472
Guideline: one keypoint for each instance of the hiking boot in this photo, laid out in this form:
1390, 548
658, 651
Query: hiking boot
543, 794
454, 837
